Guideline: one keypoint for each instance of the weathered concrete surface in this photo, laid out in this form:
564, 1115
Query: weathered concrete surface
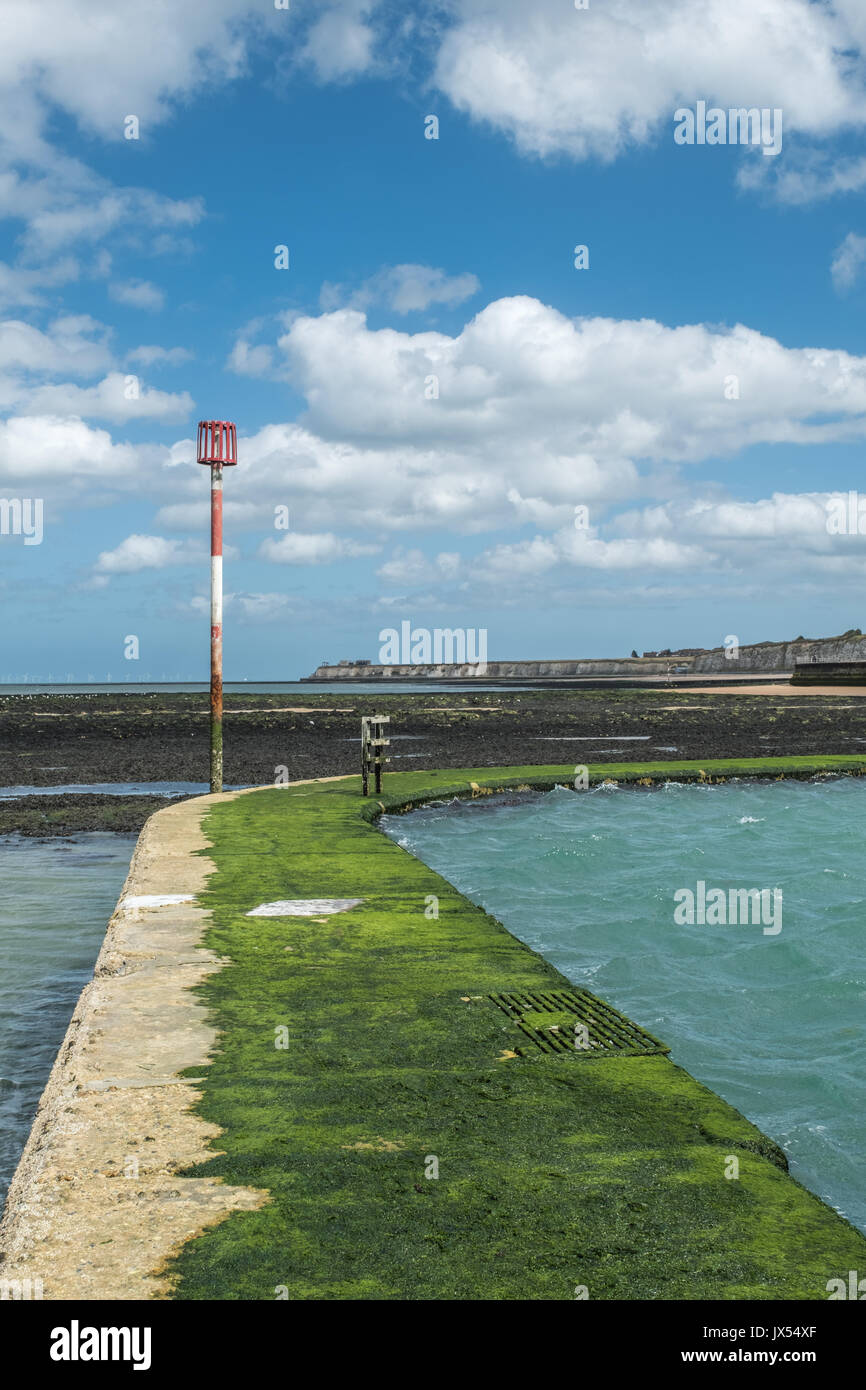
115, 1104
844, 672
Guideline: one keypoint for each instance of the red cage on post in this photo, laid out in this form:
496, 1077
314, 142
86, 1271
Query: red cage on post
217, 442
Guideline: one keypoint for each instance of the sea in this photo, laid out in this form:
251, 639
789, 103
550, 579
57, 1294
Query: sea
57, 898
248, 687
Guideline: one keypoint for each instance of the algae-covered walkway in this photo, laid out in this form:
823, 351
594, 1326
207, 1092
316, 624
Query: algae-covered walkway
360, 1056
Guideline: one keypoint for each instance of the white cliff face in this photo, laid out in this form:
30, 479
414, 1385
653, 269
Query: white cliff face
772, 657
783, 656
503, 670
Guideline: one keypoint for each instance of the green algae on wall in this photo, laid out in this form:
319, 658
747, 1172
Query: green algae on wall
553, 1172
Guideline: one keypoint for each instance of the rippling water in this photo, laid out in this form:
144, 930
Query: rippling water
115, 789
774, 1023
57, 897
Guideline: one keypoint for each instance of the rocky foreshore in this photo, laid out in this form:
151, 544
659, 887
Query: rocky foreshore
57, 741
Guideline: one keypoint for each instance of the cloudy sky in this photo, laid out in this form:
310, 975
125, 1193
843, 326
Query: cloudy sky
466, 428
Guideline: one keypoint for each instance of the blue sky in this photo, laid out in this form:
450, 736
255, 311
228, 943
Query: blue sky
138, 293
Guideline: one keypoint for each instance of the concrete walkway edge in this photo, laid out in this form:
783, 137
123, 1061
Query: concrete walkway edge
96, 1207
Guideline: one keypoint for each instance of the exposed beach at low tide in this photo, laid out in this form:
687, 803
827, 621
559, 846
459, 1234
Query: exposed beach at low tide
122, 745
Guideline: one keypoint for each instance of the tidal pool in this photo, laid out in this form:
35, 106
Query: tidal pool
772, 1020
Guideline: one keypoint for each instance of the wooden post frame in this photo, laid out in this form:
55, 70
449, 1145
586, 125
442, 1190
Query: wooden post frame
372, 742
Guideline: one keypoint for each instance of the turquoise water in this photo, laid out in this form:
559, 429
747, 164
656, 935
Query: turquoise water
774, 1022
57, 897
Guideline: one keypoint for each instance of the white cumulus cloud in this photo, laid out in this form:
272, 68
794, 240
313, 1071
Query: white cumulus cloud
297, 548
64, 450
148, 553
137, 294
848, 261
599, 81
404, 289
116, 397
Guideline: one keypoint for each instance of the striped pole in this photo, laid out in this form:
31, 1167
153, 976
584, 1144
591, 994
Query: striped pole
217, 448
216, 627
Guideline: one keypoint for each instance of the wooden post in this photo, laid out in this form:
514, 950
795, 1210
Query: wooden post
372, 743
365, 754
377, 757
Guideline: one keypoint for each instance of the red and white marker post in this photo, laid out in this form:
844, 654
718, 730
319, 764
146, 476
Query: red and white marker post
217, 448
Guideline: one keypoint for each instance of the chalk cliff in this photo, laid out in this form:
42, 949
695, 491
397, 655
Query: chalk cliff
772, 657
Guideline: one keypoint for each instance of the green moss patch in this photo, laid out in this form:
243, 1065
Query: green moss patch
364, 1079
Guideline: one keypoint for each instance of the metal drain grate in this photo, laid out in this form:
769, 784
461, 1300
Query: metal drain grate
574, 1021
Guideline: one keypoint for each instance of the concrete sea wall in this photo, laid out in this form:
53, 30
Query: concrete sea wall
395, 1032
96, 1206
830, 673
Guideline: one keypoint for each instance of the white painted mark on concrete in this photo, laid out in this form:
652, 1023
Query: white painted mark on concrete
158, 900
304, 907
